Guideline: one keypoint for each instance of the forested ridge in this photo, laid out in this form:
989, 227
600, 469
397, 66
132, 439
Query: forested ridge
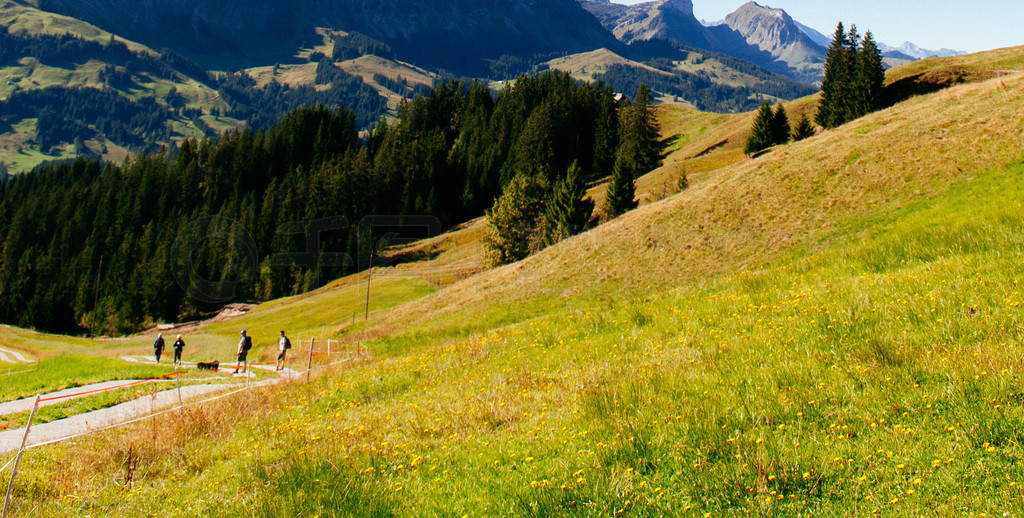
105, 111
111, 248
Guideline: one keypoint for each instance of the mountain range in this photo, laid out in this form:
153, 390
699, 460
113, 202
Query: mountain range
762, 35
463, 36
458, 35
179, 68
915, 52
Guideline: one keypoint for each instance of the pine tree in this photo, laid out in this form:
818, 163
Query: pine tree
831, 112
870, 75
854, 78
512, 221
567, 211
780, 126
621, 190
803, 129
762, 134
683, 182
639, 142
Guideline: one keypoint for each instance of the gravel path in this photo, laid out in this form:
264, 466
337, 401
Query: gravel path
9, 356
11, 440
20, 405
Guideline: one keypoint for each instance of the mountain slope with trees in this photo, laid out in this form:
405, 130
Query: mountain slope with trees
232, 218
855, 294
227, 66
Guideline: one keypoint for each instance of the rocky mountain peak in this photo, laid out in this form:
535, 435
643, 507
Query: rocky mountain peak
684, 7
765, 25
773, 31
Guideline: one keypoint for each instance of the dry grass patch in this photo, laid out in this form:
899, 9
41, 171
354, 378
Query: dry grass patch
588, 65
18, 18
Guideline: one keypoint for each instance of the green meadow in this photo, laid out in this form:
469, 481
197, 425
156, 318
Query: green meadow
831, 329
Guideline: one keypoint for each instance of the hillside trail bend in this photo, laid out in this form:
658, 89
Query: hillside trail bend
96, 420
11, 356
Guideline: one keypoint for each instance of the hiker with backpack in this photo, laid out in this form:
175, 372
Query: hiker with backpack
283, 344
244, 344
158, 346
179, 344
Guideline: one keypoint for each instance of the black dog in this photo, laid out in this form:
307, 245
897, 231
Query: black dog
208, 366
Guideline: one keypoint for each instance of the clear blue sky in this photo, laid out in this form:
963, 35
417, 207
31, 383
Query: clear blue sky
966, 25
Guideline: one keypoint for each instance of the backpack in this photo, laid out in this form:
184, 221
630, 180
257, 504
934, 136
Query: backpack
287, 343
247, 344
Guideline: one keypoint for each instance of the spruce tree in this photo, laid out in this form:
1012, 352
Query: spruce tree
834, 85
639, 141
621, 190
762, 134
780, 126
567, 211
870, 75
683, 182
854, 78
803, 129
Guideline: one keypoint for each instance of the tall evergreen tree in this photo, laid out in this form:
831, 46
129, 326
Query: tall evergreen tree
803, 129
831, 111
780, 126
870, 75
621, 190
854, 78
606, 132
568, 210
762, 133
639, 141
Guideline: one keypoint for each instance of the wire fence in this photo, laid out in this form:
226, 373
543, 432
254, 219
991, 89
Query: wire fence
360, 352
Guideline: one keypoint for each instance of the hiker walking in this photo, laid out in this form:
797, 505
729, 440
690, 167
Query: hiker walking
158, 346
283, 344
179, 344
244, 344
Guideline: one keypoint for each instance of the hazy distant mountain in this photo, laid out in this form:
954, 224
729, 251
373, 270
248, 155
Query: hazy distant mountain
454, 34
815, 36
909, 49
905, 52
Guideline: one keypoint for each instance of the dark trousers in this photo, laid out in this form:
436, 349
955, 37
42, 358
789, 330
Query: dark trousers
158, 352
177, 355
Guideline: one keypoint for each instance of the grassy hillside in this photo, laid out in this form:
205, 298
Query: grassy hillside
831, 328
19, 148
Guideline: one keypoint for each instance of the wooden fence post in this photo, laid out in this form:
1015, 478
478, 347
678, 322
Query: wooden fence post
24, 442
309, 363
178, 384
